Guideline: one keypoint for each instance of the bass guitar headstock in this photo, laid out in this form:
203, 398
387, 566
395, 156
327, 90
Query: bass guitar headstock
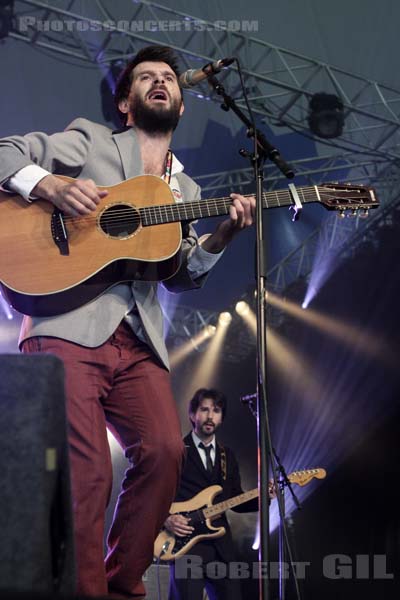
305, 476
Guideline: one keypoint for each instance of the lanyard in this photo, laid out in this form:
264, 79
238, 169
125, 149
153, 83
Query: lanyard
168, 167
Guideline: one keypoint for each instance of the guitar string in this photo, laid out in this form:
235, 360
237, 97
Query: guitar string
159, 215
274, 201
218, 202
198, 208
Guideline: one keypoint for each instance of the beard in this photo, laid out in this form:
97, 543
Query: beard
204, 430
155, 119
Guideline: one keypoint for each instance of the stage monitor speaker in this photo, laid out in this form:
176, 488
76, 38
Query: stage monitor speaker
36, 549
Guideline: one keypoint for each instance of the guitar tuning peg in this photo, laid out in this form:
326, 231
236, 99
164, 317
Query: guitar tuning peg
353, 213
341, 213
364, 213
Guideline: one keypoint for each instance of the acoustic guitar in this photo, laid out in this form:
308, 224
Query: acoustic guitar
51, 263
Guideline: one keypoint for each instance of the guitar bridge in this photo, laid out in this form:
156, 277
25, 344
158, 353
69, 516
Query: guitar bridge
59, 232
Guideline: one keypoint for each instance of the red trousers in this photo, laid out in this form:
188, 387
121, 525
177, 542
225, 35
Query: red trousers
121, 385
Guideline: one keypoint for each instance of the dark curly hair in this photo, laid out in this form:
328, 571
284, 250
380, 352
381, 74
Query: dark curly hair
149, 53
217, 397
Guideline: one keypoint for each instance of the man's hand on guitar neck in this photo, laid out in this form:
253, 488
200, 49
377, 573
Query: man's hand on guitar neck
179, 525
74, 198
271, 489
241, 215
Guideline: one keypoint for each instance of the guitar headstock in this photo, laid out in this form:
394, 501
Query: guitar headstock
305, 476
346, 196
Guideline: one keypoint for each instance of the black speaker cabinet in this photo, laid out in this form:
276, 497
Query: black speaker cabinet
36, 548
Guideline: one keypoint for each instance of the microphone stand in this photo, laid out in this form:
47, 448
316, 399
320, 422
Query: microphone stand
250, 401
263, 150
283, 482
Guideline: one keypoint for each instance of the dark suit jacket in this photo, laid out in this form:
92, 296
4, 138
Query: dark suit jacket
195, 478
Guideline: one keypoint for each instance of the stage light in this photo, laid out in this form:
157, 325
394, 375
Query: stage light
242, 308
325, 117
210, 330
5, 307
224, 319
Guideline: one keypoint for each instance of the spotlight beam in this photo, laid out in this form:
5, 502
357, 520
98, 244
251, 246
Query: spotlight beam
190, 345
209, 361
358, 339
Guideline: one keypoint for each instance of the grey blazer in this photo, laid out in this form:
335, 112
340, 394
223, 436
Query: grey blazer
89, 150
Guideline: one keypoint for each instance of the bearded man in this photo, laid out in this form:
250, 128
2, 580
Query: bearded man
116, 363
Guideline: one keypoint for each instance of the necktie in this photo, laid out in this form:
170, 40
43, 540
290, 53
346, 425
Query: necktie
207, 450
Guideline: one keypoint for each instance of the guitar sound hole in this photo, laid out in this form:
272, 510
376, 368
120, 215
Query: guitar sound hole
119, 221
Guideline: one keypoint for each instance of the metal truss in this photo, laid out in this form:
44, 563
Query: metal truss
279, 82
313, 170
187, 323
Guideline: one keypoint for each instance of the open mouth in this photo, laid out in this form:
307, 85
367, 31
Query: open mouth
158, 95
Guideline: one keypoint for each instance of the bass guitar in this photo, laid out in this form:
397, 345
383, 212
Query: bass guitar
200, 510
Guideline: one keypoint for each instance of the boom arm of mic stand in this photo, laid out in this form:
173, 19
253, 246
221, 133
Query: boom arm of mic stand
264, 148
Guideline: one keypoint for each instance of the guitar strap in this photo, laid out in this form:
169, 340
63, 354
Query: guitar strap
172, 180
223, 460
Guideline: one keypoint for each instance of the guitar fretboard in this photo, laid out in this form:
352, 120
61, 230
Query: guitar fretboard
213, 207
216, 509
299, 477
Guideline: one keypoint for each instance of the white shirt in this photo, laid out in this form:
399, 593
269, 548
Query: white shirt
201, 451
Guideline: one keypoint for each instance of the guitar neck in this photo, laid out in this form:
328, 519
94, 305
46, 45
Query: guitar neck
217, 509
299, 477
213, 207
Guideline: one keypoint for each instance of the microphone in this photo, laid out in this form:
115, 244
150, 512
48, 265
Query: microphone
248, 399
251, 401
192, 77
